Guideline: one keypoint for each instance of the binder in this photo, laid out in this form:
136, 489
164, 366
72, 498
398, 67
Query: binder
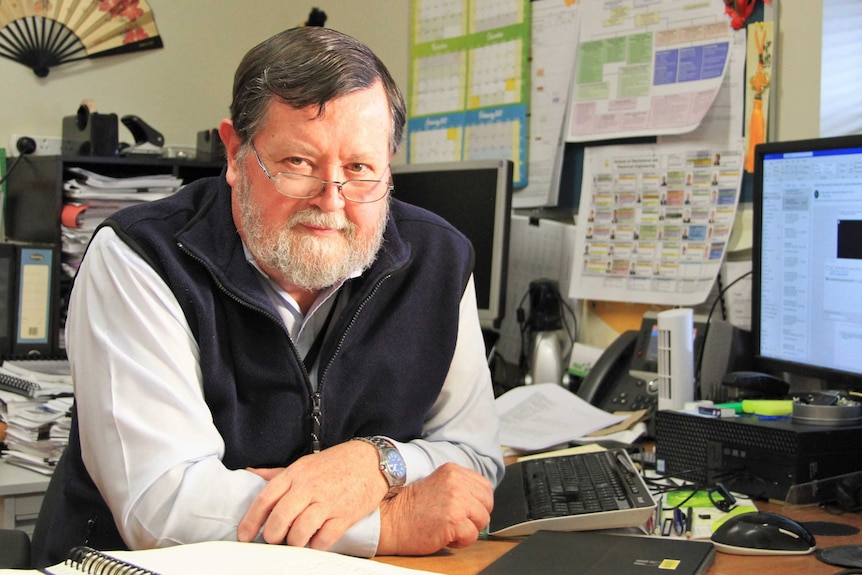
8, 296
36, 310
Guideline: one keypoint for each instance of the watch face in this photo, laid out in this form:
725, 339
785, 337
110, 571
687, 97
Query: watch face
396, 464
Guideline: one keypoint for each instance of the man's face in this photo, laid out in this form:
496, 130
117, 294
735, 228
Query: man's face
313, 243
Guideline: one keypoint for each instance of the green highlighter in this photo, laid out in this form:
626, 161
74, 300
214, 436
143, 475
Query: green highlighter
768, 407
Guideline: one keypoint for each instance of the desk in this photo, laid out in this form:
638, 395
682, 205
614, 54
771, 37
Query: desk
473, 559
21, 493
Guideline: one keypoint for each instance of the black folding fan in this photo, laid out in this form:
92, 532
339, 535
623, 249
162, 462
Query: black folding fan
42, 34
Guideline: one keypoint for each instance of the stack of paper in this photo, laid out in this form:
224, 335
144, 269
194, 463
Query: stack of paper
92, 197
92, 186
35, 403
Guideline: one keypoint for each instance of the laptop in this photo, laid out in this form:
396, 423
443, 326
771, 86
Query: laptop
596, 553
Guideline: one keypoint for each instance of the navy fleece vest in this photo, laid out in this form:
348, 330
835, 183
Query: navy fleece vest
380, 371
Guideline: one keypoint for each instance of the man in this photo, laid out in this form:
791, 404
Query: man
229, 343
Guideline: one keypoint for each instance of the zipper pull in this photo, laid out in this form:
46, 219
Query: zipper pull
316, 416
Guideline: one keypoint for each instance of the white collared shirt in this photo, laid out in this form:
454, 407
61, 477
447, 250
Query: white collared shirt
147, 434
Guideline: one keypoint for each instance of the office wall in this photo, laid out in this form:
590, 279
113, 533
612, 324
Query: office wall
185, 86
797, 96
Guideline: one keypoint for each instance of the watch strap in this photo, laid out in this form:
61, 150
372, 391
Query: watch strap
384, 447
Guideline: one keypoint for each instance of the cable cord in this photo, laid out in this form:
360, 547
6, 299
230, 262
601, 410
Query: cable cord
25, 146
719, 298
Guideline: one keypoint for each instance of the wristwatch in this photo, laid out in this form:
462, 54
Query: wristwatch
391, 463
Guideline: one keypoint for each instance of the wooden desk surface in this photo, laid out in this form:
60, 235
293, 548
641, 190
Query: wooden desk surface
473, 559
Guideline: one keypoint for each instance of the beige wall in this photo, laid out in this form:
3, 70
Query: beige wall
185, 87
797, 98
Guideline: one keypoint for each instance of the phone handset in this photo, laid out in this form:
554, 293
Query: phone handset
611, 367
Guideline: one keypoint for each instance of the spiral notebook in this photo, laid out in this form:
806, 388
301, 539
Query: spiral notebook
15, 377
218, 558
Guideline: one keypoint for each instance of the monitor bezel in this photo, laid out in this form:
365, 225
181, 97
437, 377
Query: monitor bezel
828, 377
491, 317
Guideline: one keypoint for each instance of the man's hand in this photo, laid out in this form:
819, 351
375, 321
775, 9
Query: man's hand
448, 508
317, 498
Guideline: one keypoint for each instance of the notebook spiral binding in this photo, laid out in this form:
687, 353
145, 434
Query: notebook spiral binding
88, 560
18, 385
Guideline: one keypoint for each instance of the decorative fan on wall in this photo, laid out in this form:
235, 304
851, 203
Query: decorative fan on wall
42, 34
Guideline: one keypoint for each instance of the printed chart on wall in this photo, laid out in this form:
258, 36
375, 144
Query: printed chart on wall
646, 69
654, 222
469, 76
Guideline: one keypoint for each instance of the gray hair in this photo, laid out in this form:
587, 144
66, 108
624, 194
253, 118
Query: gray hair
304, 67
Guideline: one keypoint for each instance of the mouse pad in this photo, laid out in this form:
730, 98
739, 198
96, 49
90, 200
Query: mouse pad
841, 555
830, 528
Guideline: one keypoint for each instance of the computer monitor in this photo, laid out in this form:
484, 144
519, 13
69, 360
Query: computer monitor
807, 261
475, 197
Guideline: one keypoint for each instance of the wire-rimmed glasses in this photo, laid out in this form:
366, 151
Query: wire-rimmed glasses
303, 187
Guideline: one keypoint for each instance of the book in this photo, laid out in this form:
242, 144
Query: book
218, 558
603, 553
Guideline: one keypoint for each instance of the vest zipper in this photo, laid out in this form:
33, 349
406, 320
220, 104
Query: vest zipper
317, 410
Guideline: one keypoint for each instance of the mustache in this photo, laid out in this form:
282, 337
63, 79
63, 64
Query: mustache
317, 218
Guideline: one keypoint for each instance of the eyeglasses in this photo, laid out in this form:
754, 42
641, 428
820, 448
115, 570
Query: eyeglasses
303, 187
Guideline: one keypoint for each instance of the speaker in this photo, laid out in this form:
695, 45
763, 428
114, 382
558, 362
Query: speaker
675, 358
726, 349
209, 146
90, 134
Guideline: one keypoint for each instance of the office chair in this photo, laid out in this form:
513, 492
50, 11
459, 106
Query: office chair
14, 549
15, 545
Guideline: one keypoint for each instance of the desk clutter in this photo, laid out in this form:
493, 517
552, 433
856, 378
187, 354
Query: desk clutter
680, 525
35, 406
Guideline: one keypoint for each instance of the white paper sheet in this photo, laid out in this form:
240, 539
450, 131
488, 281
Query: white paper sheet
534, 417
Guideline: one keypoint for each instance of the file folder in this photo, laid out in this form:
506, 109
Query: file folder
36, 310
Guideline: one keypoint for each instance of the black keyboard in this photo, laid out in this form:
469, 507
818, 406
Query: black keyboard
597, 490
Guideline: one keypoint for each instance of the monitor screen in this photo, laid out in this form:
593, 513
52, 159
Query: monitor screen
476, 198
807, 260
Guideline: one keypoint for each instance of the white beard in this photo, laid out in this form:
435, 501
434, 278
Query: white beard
306, 261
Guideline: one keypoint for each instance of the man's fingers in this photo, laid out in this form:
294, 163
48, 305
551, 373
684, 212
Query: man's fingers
260, 509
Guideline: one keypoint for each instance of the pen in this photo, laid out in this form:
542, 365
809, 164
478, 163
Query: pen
657, 526
678, 521
689, 522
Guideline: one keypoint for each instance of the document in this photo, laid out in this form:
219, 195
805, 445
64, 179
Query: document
536, 417
220, 558
654, 222
646, 68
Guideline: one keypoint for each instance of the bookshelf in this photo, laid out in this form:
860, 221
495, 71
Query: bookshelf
34, 203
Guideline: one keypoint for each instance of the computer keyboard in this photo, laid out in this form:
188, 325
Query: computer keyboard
575, 492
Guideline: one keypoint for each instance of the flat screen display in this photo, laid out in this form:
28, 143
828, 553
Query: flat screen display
807, 260
476, 198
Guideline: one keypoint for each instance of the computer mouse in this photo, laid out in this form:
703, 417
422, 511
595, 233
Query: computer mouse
762, 533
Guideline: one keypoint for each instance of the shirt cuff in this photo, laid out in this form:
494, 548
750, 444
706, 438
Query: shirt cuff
360, 540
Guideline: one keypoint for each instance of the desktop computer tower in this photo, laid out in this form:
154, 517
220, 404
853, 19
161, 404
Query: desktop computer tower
756, 457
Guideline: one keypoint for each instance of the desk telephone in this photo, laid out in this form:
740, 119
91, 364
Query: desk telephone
625, 377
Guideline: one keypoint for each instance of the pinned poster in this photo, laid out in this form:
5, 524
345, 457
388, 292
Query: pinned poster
646, 68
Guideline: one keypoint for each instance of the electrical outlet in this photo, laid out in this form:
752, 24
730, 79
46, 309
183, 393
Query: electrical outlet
45, 145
